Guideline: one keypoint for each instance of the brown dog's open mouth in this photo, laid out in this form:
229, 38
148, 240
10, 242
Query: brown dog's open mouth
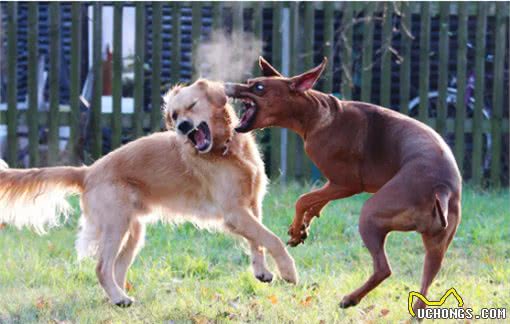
201, 137
248, 114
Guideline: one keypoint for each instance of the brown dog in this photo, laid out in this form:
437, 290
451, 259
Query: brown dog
204, 173
361, 147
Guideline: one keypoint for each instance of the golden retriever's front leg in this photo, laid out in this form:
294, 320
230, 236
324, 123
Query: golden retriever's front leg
244, 223
258, 262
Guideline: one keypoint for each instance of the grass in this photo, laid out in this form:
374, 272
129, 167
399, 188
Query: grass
187, 275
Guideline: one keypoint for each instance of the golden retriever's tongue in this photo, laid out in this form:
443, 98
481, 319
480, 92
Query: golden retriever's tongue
199, 138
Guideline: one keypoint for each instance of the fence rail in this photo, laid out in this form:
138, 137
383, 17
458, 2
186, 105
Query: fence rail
445, 64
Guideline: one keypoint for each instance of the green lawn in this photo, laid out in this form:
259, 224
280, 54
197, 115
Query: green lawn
187, 275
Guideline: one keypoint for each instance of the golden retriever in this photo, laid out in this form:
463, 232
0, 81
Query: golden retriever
203, 172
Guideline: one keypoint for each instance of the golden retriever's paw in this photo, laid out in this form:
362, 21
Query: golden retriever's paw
124, 302
348, 301
264, 276
290, 275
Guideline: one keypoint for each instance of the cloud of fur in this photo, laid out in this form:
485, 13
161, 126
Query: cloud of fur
228, 57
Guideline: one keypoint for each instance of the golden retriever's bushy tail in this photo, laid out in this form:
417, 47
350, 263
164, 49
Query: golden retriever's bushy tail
37, 197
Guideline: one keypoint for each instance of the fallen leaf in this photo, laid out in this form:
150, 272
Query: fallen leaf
369, 308
200, 319
307, 301
273, 299
384, 312
234, 303
129, 286
42, 303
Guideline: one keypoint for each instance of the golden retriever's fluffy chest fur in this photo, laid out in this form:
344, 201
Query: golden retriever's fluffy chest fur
214, 187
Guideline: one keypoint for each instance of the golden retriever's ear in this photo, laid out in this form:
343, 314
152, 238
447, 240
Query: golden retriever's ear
216, 94
169, 123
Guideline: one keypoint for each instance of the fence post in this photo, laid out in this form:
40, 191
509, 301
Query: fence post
176, 43
367, 60
387, 37
497, 95
196, 27
329, 42
442, 106
308, 168
293, 138
95, 122
276, 62
237, 16
117, 76
481, 25
257, 29
460, 111
74, 90
139, 70
405, 51
217, 21
156, 67
12, 85
423, 114
54, 80
346, 51
33, 109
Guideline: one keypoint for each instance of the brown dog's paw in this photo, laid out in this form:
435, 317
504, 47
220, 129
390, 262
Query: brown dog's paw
297, 237
348, 301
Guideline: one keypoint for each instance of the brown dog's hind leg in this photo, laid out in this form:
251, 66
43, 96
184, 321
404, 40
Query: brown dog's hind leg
392, 208
129, 252
374, 238
435, 249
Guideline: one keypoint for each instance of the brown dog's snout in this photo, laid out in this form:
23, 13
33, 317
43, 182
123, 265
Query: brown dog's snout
233, 89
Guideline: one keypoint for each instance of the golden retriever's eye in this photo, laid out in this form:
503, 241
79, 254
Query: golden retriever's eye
174, 115
192, 105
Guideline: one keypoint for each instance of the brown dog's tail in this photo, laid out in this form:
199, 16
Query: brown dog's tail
442, 196
37, 197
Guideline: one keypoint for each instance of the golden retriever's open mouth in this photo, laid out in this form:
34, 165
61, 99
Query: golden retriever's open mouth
201, 137
248, 114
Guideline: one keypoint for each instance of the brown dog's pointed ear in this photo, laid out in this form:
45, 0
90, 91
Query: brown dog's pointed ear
307, 80
267, 69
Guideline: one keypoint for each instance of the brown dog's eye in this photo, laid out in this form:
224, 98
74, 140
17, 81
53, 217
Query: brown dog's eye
174, 115
259, 87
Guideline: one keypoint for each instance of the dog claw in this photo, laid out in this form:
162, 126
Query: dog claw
293, 243
124, 303
295, 240
348, 302
265, 277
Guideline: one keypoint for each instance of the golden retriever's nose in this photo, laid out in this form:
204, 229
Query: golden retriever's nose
185, 126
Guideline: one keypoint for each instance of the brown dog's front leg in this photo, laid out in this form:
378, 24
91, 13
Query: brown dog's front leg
308, 206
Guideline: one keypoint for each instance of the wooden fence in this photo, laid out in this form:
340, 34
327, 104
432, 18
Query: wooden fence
445, 64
